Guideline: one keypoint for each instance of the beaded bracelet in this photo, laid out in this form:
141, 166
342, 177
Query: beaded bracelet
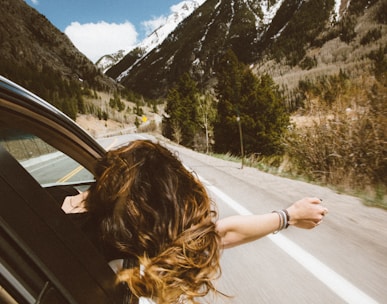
287, 217
280, 222
284, 218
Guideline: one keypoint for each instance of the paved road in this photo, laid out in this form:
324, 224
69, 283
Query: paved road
344, 260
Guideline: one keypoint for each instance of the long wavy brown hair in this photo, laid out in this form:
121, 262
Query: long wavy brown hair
154, 210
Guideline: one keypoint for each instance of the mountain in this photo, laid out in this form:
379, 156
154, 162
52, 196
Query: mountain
179, 12
35, 54
286, 33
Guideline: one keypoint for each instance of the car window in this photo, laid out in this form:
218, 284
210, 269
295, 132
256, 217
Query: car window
46, 164
41, 251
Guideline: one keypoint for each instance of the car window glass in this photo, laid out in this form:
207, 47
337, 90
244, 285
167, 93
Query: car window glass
46, 164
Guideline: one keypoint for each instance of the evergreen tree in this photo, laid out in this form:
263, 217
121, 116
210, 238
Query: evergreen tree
181, 109
138, 108
228, 92
264, 118
257, 104
137, 122
70, 108
81, 104
112, 103
172, 117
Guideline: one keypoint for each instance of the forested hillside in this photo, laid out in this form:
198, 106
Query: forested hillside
36, 55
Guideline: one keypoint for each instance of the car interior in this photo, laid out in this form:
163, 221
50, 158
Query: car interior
44, 257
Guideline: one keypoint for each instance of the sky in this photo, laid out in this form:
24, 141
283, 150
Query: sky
100, 27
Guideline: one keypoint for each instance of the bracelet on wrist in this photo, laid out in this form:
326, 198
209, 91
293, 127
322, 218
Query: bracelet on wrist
284, 219
287, 217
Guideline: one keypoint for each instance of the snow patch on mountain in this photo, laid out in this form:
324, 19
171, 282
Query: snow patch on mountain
107, 61
179, 12
270, 11
339, 8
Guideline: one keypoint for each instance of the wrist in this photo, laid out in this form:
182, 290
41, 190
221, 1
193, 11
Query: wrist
287, 217
283, 218
292, 216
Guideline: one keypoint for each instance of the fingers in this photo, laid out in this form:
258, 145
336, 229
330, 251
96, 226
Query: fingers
307, 213
324, 211
306, 224
310, 213
315, 200
318, 201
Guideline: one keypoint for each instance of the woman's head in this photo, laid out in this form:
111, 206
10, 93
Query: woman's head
152, 208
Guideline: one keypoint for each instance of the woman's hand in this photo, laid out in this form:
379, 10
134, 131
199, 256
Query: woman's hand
306, 213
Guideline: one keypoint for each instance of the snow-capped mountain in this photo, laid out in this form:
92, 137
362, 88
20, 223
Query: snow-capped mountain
252, 29
178, 13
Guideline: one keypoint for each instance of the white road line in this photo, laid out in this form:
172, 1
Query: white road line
339, 285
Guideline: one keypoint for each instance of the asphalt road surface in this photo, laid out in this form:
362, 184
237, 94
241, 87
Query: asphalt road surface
344, 260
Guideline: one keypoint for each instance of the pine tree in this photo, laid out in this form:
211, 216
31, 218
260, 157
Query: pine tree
265, 117
172, 118
252, 101
228, 92
181, 111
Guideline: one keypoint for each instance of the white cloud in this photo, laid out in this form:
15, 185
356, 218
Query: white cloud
36, 2
102, 38
153, 24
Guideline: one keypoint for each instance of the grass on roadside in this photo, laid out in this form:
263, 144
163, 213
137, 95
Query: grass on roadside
372, 196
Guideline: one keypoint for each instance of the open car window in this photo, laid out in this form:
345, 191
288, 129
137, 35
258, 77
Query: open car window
44, 257
45, 163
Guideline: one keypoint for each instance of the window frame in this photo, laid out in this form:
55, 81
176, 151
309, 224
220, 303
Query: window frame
31, 219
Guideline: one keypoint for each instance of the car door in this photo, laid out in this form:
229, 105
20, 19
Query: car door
44, 258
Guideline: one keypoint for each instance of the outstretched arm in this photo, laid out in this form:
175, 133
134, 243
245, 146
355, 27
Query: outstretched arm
235, 230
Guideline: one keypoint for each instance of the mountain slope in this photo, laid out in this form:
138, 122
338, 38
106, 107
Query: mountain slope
30, 44
179, 12
193, 42
256, 31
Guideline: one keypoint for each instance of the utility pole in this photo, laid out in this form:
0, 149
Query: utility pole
241, 139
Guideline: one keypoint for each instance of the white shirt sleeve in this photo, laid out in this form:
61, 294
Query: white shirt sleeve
146, 301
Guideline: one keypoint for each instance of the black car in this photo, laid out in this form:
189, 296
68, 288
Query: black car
44, 257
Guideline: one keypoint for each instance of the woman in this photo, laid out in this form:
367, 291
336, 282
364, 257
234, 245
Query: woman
155, 213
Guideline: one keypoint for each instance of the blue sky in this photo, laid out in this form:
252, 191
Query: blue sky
99, 27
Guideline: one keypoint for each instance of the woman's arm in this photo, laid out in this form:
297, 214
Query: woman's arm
235, 230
